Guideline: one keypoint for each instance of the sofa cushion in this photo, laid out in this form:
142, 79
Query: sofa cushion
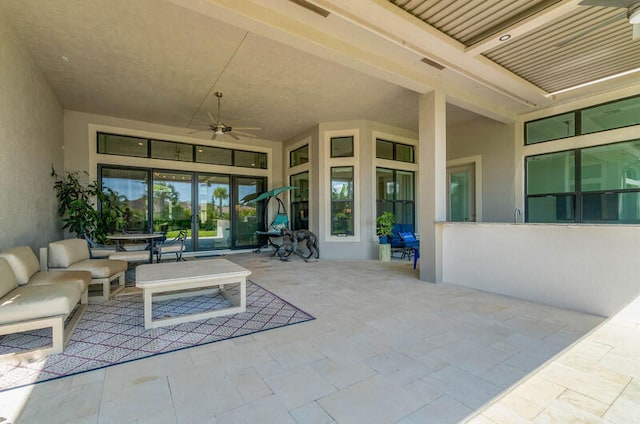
100, 268
8, 280
31, 302
23, 262
79, 279
64, 253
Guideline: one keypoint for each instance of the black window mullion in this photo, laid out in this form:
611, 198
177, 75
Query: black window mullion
578, 122
578, 183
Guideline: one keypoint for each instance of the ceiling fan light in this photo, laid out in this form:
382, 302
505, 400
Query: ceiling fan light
219, 131
634, 14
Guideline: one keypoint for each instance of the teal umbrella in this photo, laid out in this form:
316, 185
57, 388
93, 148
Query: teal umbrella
273, 193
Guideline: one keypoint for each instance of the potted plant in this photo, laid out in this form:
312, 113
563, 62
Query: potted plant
384, 229
77, 209
384, 226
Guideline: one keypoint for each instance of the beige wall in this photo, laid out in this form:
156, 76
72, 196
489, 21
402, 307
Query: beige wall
495, 142
31, 142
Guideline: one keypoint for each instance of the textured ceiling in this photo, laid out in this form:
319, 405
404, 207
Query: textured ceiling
161, 61
153, 61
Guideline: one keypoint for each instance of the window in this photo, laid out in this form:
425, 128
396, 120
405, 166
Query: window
394, 151
341, 147
610, 183
618, 114
214, 155
342, 188
171, 151
300, 201
299, 156
593, 185
132, 185
607, 116
551, 187
122, 145
553, 128
249, 159
395, 193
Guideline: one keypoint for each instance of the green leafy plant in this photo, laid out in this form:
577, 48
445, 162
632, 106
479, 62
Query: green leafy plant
78, 212
384, 226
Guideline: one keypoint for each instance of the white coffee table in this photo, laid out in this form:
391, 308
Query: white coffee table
182, 279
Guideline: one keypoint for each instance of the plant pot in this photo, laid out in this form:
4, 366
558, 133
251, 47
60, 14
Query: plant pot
384, 252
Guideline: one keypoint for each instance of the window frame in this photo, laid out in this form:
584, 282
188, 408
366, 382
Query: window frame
578, 130
578, 194
395, 145
264, 158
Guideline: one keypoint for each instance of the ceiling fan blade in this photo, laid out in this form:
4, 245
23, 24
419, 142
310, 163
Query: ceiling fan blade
247, 128
197, 131
233, 135
607, 3
591, 29
244, 134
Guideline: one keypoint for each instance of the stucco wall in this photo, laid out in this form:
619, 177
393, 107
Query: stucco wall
589, 268
31, 142
364, 244
494, 141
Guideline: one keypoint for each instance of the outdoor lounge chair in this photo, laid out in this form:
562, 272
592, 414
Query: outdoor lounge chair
280, 222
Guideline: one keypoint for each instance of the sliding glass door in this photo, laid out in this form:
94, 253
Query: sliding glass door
172, 209
214, 215
209, 206
248, 215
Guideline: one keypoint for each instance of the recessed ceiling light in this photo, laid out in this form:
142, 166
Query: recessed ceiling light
504, 37
64, 58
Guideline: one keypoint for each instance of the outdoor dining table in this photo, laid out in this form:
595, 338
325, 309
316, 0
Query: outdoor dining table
149, 237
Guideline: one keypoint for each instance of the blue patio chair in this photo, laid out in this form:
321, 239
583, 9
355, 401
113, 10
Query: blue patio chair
405, 240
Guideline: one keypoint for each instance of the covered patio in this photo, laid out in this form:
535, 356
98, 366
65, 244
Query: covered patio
365, 106
384, 348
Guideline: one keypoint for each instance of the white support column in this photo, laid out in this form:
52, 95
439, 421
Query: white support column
432, 200
518, 137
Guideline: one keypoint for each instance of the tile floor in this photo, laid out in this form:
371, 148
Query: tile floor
597, 380
385, 348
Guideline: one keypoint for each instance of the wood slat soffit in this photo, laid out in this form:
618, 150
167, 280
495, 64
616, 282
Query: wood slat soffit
587, 44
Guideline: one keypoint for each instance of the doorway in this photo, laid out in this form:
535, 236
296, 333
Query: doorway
209, 206
461, 193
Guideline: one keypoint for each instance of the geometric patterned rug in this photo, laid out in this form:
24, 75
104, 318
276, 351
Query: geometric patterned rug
113, 332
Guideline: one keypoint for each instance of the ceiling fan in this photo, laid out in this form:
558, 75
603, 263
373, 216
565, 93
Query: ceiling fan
220, 128
632, 14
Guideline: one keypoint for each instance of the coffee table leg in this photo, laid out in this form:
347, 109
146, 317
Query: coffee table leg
147, 309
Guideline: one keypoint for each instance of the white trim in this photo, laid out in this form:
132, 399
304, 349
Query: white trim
354, 162
476, 160
395, 165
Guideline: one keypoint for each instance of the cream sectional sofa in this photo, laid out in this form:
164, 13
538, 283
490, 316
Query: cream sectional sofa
26, 268
73, 255
40, 302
